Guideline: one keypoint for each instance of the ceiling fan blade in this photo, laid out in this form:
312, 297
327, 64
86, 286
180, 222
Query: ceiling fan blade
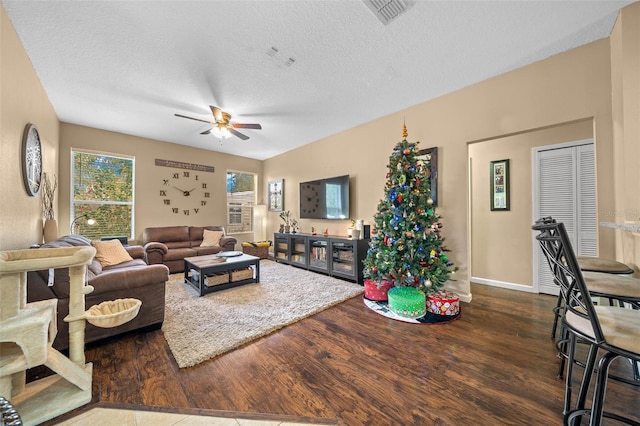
196, 119
206, 132
217, 113
245, 126
238, 134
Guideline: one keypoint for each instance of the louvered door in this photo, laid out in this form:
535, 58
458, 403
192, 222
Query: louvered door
564, 188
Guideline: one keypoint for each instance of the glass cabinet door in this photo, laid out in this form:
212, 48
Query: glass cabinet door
318, 254
298, 250
281, 248
342, 259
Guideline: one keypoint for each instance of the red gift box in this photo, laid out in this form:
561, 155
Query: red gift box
443, 302
374, 290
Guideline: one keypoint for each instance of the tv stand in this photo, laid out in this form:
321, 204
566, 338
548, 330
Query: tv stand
337, 256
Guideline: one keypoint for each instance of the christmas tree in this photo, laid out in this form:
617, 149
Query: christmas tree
407, 247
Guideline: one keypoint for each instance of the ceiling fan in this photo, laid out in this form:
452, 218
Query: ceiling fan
222, 126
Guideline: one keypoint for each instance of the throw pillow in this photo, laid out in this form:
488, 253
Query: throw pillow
110, 252
211, 238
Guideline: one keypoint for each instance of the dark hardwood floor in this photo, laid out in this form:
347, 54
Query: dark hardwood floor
496, 365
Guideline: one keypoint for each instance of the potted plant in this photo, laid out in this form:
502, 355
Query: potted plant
354, 231
50, 227
284, 215
294, 226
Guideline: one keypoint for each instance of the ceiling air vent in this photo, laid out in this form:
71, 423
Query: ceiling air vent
387, 10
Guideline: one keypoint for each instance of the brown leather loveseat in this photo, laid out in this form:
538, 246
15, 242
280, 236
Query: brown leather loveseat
169, 245
129, 279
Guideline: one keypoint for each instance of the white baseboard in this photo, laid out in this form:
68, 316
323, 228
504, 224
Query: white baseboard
503, 284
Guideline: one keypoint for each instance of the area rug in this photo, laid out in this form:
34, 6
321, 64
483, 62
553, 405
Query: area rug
199, 328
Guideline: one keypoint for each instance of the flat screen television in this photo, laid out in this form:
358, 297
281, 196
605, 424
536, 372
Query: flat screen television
325, 198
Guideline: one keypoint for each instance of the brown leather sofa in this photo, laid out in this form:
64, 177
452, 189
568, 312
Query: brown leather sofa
131, 279
169, 245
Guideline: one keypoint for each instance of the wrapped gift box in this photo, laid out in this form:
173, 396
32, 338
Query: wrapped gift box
408, 302
443, 302
374, 290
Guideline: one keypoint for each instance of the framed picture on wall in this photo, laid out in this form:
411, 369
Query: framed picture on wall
499, 184
430, 158
275, 194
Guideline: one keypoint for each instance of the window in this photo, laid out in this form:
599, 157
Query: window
241, 198
102, 188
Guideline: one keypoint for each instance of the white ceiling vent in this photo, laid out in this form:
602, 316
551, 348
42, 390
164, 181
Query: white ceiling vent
387, 10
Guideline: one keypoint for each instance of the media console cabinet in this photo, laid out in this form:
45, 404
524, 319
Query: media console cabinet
336, 256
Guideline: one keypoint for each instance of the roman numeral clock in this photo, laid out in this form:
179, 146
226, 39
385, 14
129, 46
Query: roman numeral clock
185, 192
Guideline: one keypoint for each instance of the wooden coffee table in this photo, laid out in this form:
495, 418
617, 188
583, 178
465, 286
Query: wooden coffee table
233, 268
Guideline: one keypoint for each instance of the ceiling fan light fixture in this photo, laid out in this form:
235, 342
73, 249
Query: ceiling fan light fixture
220, 131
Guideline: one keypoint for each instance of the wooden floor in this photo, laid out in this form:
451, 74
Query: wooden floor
496, 365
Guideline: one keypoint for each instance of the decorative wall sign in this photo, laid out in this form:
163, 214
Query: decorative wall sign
188, 166
499, 184
431, 155
275, 195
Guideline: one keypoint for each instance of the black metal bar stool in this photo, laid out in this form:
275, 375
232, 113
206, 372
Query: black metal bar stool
610, 329
607, 266
602, 266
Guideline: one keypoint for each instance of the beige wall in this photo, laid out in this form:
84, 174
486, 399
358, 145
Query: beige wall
501, 242
22, 101
625, 77
568, 87
150, 209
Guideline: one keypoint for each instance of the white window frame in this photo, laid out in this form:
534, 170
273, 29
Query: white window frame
72, 203
246, 208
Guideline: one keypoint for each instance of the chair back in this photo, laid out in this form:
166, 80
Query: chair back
557, 249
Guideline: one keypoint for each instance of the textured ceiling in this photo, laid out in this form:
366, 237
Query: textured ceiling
129, 66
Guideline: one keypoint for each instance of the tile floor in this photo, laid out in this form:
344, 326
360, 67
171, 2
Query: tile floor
113, 416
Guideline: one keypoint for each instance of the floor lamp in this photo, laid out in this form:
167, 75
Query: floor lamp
90, 221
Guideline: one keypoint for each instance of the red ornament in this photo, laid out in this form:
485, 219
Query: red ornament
406, 151
400, 197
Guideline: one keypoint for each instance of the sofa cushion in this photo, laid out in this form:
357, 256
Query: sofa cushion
179, 254
123, 265
200, 251
211, 238
177, 244
196, 233
110, 252
165, 234
95, 267
131, 278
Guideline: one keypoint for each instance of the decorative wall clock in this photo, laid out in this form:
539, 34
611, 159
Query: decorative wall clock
309, 198
184, 192
31, 160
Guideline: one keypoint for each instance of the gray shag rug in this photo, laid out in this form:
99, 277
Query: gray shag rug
200, 328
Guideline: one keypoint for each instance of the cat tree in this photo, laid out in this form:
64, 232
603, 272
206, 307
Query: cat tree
27, 331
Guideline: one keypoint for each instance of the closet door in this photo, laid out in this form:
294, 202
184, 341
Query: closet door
564, 188
587, 229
